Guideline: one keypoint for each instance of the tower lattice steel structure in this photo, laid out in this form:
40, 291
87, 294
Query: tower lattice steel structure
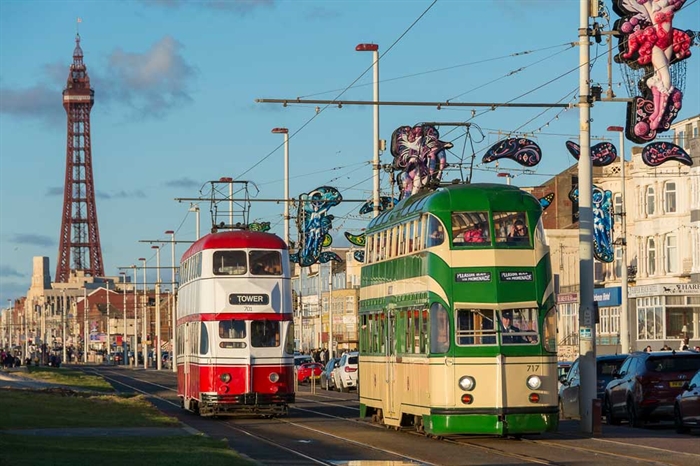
79, 247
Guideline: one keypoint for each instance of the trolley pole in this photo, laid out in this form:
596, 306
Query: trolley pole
587, 350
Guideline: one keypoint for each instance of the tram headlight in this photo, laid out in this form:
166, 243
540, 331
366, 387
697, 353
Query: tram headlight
467, 383
534, 382
225, 378
274, 377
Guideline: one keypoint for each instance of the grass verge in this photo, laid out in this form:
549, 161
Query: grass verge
69, 377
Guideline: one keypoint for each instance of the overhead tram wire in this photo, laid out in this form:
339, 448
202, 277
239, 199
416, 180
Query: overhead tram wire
316, 114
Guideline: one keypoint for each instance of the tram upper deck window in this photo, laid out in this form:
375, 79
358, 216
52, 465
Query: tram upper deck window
518, 326
265, 263
475, 327
511, 228
264, 333
470, 228
436, 232
229, 263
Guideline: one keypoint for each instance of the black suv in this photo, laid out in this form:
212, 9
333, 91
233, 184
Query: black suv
646, 386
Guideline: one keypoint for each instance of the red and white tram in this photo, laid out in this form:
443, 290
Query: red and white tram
235, 333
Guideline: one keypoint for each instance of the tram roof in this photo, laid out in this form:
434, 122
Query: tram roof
476, 196
236, 239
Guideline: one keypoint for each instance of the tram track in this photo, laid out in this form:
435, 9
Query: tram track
536, 451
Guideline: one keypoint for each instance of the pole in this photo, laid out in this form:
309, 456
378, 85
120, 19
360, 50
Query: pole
156, 338
376, 164
230, 203
109, 335
144, 318
63, 304
86, 326
135, 346
625, 346
587, 350
331, 352
123, 274
286, 188
173, 316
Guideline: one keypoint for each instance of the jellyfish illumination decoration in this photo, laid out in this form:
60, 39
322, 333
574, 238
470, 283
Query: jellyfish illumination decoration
656, 153
385, 202
603, 223
546, 201
650, 45
314, 224
522, 150
419, 156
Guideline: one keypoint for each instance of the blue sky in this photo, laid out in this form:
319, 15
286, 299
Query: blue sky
175, 87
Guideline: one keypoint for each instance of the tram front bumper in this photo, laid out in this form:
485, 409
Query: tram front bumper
509, 421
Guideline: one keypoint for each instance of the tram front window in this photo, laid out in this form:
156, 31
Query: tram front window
518, 326
470, 228
264, 333
229, 263
511, 228
265, 262
475, 327
234, 329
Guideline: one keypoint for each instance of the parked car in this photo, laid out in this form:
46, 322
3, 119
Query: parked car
308, 371
606, 365
647, 384
327, 381
686, 411
299, 360
345, 375
563, 368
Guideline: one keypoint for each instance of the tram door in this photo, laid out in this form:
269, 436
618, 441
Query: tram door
391, 411
186, 389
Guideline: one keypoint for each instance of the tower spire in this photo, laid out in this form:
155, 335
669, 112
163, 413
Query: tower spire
79, 247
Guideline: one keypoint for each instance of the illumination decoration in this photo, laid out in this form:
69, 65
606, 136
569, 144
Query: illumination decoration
603, 223
522, 150
314, 224
359, 256
602, 154
648, 42
546, 201
656, 153
385, 202
420, 157
259, 226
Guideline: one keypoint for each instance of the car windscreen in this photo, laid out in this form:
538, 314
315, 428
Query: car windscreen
607, 367
675, 363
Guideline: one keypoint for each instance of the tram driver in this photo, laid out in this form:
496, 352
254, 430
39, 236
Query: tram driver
507, 328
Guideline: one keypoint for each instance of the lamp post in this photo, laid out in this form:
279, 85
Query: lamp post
374, 48
63, 330
285, 131
173, 310
144, 317
109, 335
123, 274
86, 326
624, 309
194, 208
505, 175
156, 338
135, 346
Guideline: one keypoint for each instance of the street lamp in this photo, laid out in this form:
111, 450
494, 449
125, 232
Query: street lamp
624, 310
156, 339
135, 346
173, 311
285, 131
63, 334
505, 175
109, 336
123, 274
374, 48
144, 317
194, 208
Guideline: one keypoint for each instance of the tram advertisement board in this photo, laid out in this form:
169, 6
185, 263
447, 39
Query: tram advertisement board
473, 277
257, 299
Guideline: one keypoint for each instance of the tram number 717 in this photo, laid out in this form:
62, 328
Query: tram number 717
533, 367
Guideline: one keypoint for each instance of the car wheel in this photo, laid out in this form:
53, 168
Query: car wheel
678, 421
609, 415
633, 414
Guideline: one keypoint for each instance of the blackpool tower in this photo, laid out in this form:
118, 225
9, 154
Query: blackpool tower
79, 248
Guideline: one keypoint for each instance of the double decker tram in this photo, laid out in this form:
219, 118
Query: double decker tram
457, 314
235, 334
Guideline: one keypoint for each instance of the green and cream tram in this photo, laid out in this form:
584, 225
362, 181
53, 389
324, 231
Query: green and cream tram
457, 314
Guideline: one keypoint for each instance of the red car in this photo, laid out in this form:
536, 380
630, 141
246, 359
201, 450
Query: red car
309, 370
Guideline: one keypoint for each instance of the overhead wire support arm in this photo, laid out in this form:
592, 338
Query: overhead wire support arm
439, 105
181, 199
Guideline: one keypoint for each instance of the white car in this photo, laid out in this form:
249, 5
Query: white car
345, 373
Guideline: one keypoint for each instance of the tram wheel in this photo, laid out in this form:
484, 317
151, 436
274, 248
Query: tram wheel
418, 423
